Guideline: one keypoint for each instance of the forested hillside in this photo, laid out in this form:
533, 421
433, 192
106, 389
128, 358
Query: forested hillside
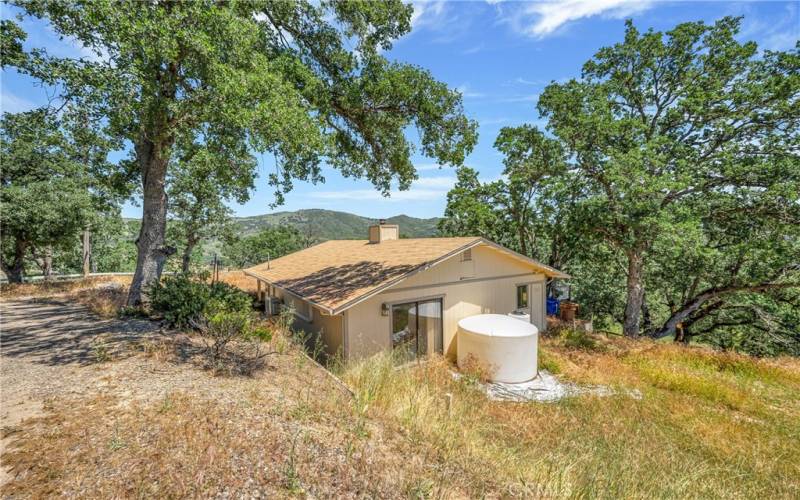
321, 224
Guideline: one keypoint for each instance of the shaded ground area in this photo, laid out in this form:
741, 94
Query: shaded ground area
44, 344
57, 332
138, 417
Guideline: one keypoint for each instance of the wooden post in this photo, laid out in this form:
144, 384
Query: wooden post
87, 252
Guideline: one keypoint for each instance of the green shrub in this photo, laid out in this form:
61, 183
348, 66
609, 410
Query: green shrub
548, 362
578, 339
183, 299
234, 342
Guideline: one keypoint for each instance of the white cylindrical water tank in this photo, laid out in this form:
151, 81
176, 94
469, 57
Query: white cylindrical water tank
503, 344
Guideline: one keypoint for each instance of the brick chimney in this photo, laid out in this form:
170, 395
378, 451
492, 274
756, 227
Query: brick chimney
383, 232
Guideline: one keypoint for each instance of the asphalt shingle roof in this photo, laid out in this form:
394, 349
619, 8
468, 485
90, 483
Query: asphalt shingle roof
337, 272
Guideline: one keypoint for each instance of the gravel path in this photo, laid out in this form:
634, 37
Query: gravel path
52, 347
54, 353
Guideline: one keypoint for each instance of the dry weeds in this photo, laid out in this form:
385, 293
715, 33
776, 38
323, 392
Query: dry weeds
50, 288
709, 425
239, 279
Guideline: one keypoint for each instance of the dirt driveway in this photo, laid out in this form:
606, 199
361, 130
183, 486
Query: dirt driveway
109, 408
52, 347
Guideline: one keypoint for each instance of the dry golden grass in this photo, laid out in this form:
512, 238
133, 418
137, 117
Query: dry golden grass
288, 432
239, 279
46, 288
708, 425
105, 302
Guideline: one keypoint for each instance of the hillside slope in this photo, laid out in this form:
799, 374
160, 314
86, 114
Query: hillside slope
672, 421
332, 225
321, 224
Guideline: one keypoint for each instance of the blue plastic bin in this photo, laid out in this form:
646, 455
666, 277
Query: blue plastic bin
552, 307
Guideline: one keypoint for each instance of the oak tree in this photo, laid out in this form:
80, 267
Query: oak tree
303, 81
660, 122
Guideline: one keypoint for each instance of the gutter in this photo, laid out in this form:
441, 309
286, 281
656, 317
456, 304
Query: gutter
546, 270
265, 280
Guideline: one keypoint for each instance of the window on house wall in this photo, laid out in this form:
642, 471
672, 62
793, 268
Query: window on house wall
302, 309
522, 296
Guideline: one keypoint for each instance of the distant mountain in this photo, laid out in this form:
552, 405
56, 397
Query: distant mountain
320, 224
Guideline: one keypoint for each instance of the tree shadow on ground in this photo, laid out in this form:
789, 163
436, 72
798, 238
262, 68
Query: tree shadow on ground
56, 332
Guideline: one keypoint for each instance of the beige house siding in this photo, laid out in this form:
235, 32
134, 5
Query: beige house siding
329, 328
485, 284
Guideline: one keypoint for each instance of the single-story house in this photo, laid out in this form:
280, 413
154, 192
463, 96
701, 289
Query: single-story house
364, 296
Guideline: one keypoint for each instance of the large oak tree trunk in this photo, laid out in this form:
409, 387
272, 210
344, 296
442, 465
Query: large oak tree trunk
635, 298
15, 269
152, 253
670, 327
690, 311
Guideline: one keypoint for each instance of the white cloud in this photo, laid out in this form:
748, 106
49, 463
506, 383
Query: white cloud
543, 18
466, 92
434, 182
440, 18
771, 34
523, 81
520, 98
428, 166
493, 121
422, 189
10, 103
427, 13
780, 41
474, 49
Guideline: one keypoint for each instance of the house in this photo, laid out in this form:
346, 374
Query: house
364, 296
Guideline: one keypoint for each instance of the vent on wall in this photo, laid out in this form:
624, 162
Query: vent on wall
467, 265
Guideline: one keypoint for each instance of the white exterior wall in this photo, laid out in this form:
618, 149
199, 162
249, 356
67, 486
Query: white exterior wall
487, 284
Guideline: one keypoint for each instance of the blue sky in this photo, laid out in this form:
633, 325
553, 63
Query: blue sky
499, 54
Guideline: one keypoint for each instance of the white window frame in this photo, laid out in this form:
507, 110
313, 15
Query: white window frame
306, 305
527, 295
307, 309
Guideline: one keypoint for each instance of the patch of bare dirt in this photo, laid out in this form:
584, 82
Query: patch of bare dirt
98, 407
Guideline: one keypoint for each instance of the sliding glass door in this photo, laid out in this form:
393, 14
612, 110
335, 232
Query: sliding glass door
417, 327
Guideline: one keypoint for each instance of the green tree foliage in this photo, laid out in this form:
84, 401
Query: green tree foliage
48, 194
201, 185
669, 131
304, 81
11, 38
670, 191
528, 208
471, 211
270, 243
113, 248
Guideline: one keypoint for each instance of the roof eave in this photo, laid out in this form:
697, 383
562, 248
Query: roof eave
422, 267
288, 290
545, 269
